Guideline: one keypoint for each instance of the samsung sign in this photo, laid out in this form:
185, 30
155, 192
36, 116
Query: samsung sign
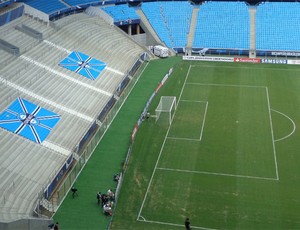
273, 61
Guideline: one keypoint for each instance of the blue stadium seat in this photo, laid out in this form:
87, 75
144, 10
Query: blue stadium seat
47, 6
170, 20
277, 26
223, 25
121, 12
81, 2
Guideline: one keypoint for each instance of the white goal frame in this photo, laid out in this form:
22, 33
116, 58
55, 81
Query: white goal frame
167, 104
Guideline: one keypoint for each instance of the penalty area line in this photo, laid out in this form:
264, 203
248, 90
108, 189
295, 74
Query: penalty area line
183, 139
217, 174
294, 126
143, 218
272, 132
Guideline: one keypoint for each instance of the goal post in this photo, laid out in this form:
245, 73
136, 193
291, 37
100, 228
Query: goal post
166, 108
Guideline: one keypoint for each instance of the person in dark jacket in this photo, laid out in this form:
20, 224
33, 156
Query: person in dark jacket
187, 224
56, 226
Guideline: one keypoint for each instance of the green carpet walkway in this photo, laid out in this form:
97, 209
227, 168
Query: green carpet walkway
82, 212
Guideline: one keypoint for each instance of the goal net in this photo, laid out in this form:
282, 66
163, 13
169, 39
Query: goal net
166, 109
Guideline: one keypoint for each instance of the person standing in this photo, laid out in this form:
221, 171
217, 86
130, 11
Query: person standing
111, 195
74, 192
56, 226
187, 224
99, 195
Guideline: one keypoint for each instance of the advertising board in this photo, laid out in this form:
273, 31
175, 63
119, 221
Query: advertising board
285, 53
203, 58
273, 61
293, 62
247, 60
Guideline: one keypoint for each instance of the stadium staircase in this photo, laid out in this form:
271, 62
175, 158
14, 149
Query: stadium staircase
147, 27
47, 205
191, 34
252, 12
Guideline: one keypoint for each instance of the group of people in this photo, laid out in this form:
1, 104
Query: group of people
106, 201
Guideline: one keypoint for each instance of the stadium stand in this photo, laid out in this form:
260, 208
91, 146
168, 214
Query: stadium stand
277, 26
10, 13
82, 2
223, 25
121, 12
35, 74
5, 3
8, 58
12, 35
171, 26
47, 6
27, 167
32, 23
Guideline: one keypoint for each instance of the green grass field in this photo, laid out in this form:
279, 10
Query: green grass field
83, 213
230, 158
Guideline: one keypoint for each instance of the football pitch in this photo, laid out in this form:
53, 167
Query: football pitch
228, 158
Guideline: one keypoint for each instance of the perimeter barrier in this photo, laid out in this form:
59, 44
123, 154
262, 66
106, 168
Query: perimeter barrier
133, 135
50, 198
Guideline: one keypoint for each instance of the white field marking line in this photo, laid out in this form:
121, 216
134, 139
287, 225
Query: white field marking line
225, 85
150, 182
202, 126
217, 174
160, 152
187, 74
240, 67
183, 139
272, 133
64, 75
47, 101
203, 122
270, 118
175, 225
204, 117
193, 101
143, 218
57, 46
294, 125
